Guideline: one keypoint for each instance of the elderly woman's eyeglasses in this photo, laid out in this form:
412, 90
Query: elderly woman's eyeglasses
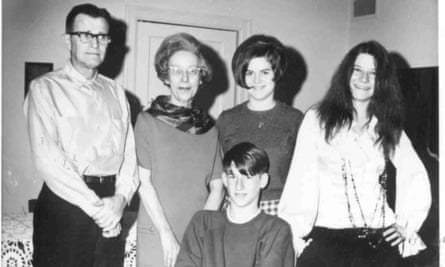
192, 72
88, 37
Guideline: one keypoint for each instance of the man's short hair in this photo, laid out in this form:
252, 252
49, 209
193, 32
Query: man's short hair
248, 158
87, 9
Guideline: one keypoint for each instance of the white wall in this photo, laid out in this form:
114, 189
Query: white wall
320, 30
408, 27
32, 28
316, 29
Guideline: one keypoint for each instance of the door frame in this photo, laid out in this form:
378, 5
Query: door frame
136, 13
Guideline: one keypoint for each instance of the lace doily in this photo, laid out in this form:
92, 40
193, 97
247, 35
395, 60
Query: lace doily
16, 254
17, 241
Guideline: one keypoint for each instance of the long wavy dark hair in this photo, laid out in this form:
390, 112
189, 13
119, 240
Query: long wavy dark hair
336, 109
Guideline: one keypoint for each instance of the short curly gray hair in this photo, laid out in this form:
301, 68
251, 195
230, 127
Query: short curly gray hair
181, 42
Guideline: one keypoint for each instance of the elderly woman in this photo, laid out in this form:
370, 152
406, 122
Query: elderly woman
258, 65
338, 193
178, 153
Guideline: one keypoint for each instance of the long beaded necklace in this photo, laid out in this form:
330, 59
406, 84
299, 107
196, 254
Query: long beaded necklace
381, 198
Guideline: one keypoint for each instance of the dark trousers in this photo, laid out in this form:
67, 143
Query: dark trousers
66, 236
343, 248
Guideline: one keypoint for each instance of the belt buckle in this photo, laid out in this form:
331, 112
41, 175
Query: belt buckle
363, 233
375, 239
101, 179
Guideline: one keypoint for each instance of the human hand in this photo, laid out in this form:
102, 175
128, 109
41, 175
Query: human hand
170, 248
94, 209
112, 232
299, 246
394, 234
111, 213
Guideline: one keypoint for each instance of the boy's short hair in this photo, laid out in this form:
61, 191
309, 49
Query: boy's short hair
249, 159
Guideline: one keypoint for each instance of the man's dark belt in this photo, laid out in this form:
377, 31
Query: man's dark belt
99, 179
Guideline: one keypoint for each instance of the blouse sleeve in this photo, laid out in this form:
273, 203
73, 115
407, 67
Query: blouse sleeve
220, 125
142, 145
299, 201
413, 194
217, 163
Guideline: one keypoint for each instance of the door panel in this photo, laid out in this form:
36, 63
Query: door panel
221, 44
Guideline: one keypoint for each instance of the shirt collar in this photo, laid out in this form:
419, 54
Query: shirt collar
76, 76
370, 129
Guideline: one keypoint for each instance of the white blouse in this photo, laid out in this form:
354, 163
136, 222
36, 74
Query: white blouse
325, 177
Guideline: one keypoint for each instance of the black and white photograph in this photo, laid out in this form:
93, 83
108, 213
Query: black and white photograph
221, 133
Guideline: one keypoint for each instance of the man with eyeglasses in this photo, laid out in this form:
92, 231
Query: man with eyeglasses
83, 147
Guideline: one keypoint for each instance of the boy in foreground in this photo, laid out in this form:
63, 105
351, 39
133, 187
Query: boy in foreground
241, 235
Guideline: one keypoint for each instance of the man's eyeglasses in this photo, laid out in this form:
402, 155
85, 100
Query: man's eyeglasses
192, 72
88, 37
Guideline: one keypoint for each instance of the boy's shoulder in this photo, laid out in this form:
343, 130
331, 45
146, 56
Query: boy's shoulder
208, 214
273, 222
208, 217
213, 219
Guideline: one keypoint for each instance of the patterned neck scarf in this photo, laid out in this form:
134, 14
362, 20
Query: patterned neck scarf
192, 120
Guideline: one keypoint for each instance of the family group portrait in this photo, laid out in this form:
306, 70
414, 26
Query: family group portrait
220, 133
